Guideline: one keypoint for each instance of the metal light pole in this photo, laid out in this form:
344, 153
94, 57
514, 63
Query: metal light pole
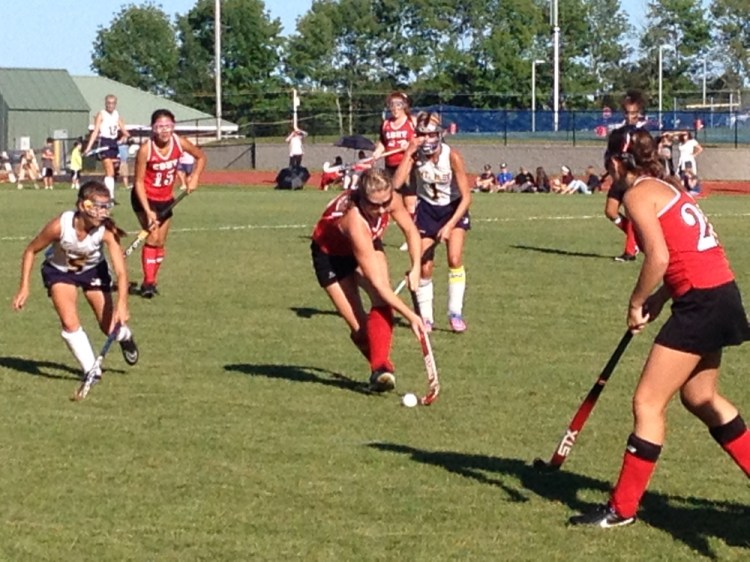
533, 93
217, 61
704, 82
661, 77
556, 63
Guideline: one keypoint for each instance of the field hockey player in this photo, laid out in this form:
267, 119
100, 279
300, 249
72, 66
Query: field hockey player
156, 167
347, 253
442, 212
75, 259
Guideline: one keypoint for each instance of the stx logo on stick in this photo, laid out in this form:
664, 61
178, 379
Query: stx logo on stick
567, 443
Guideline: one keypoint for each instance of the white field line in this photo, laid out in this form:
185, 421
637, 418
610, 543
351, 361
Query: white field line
229, 227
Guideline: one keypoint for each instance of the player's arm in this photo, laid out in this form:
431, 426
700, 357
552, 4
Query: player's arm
117, 261
94, 133
356, 230
51, 232
401, 174
642, 212
198, 167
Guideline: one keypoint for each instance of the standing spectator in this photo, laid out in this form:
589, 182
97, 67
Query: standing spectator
442, 214
505, 178
688, 148
48, 164
664, 147
123, 167
632, 107
184, 168
486, 181
155, 171
76, 165
684, 261
75, 258
347, 254
108, 127
296, 150
542, 180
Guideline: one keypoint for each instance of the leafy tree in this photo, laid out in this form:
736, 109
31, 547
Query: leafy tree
250, 53
732, 37
138, 48
683, 25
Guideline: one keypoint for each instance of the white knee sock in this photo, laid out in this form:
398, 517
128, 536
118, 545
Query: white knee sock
456, 289
124, 333
109, 183
424, 298
79, 344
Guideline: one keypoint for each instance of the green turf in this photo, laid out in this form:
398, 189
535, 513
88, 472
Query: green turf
244, 432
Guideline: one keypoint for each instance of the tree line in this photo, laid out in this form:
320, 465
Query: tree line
344, 55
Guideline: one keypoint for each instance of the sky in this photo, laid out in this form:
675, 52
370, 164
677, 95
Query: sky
60, 33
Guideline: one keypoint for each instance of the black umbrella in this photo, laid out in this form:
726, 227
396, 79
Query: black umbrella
356, 142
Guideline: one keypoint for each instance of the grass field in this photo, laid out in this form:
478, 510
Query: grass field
245, 433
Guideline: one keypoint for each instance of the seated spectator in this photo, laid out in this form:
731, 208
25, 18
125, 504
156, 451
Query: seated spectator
523, 182
6, 168
28, 167
353, 172
691, 182
555, 185
571, 183
332, 174
505, 179
542, 181
486, 181
593, 180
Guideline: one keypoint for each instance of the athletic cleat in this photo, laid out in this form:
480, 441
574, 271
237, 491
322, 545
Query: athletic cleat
382, 381
148, 291
601, 516
457, 323
129, 351
625, 257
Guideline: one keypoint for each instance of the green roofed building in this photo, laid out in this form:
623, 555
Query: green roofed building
135, 107
39, 103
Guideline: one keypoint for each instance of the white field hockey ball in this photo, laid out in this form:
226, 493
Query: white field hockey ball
409, 400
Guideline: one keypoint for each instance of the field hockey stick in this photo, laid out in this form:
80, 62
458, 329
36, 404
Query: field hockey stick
143, 234
95, 371
402, 283
95, 151
584, 410
433, 383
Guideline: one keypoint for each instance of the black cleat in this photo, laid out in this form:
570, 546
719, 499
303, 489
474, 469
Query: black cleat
625, 257
148, 291
601, 516
130, 351
382, 381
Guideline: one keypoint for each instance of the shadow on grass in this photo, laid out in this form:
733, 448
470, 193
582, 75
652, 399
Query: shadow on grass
307, 312
690, 520
298, 373
39, 368
560, 252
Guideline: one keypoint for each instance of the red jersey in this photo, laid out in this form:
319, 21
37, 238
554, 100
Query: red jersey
161, 170
394, 137
328, 235
696, 259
